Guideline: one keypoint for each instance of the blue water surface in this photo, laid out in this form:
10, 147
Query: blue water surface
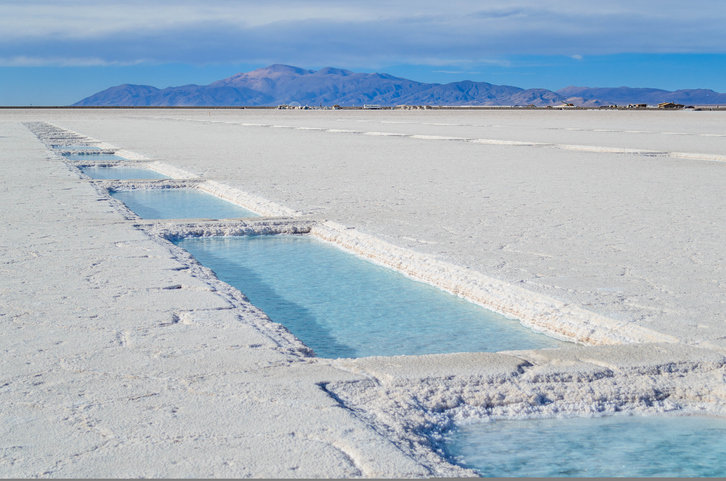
179, 204
122, 173
614, 446
343, 306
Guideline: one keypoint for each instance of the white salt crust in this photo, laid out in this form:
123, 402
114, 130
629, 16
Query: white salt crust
169, 170
541, 313
407, 400
250, 202
492, 141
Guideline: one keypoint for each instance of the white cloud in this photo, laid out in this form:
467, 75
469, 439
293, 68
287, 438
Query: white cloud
358, 32
23, 61
89, 18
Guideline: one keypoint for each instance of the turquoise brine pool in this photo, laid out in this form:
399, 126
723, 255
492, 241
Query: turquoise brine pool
122, 173
615, 446
179, 204
343, 306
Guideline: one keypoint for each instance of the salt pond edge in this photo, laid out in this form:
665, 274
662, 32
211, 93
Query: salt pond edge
536, 311
416, 399
539, 312
411, 398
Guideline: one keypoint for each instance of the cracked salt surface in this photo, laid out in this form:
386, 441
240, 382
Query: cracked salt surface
393, 407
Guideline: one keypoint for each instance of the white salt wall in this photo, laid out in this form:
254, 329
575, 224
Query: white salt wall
536, 311
634, 238
123, 357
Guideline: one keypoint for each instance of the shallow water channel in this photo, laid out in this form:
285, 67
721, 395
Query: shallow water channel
343, 306
75, 147
92, 156
121, 173
175, 203
614, 446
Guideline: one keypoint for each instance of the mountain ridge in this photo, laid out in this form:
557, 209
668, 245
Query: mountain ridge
283, 84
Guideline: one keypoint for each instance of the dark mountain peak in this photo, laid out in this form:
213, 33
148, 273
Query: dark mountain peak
281, 84
698, 91
281, 69
131, 86
333, 71
571, 90
387, 76
273, 72
125, 94
471, 83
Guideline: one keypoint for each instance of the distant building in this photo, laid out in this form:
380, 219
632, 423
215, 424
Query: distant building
669, 105
372, 107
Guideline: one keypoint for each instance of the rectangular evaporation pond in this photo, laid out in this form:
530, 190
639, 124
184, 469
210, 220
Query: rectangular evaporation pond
121, 173
615, 446
179, 204
92, 157
75, 147
343, 306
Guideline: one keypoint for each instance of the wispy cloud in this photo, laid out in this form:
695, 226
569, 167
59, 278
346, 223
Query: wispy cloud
500, 12
348, 33
23, 61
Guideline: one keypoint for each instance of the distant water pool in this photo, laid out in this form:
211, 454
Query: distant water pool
179, 204
614, 446
121, 173
75, 147
92, 157
343, 306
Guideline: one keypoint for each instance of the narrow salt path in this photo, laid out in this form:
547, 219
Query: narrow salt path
632, 237
177, 352
117, 362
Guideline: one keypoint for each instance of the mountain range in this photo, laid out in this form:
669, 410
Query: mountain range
284, 84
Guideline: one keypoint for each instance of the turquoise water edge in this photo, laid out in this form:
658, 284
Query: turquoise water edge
121, 173
614, 446
179, 204
343, 306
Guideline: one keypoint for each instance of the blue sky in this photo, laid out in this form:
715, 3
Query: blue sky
55, 52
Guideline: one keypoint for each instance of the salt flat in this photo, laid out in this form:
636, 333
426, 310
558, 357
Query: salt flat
108, 370
632, 237
100, 376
